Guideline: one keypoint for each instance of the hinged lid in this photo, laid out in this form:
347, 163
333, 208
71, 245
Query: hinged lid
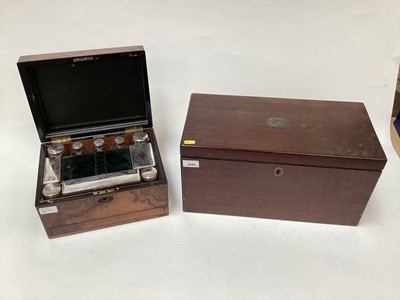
87, 92
301, 132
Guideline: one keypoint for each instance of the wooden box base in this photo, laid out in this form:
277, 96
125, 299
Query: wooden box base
298, 193
102, 211
115, 205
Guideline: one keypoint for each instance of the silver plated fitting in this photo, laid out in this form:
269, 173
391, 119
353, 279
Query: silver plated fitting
98, 144
119, 141
140, 137
55, 149
149, 174
77, 148
51, 190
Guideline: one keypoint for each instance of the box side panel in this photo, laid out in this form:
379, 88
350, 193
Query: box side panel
299, 193
106, 210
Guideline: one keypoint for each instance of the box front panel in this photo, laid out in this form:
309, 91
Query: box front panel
104, 210
288, 192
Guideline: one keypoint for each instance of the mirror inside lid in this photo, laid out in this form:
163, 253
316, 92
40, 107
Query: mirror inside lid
84, 92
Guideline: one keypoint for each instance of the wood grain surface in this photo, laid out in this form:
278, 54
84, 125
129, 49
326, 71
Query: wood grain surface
106, 210
301, 160
317, 133
300, 193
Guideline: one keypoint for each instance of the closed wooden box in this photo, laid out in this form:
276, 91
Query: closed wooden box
301, 160
79, 97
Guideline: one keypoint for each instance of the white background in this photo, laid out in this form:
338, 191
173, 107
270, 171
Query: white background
332, 49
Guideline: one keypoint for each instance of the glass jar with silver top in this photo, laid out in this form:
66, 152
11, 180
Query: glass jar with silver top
51, 190
55, 149
98, 144
149, 174
119, 142
77, 148
140, 137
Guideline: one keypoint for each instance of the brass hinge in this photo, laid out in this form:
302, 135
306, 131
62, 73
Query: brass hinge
104, 191
99, 136
131, 130
62, 140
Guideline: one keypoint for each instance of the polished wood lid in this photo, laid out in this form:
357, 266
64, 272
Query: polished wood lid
302, 132
87, 92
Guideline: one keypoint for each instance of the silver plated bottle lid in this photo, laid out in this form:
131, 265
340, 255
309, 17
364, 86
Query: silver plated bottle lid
149, 174
98, 143
55, 149
77, 146
140, 137
119, 140
51, 190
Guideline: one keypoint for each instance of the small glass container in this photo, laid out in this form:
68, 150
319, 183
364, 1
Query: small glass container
55, 149
77, 148
51, 190
119, 142
149, 174
140, 137
98, 144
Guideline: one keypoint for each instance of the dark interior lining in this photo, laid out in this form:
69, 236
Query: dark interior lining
107, 90
81, 166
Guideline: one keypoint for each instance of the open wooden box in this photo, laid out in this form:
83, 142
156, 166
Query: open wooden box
80, 97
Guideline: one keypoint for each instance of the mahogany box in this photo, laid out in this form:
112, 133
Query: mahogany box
89, 104
301, 160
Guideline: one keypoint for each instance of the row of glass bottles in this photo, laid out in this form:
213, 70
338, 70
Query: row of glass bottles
119, 143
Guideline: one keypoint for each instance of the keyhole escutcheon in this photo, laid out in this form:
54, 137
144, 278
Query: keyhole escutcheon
278, 171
